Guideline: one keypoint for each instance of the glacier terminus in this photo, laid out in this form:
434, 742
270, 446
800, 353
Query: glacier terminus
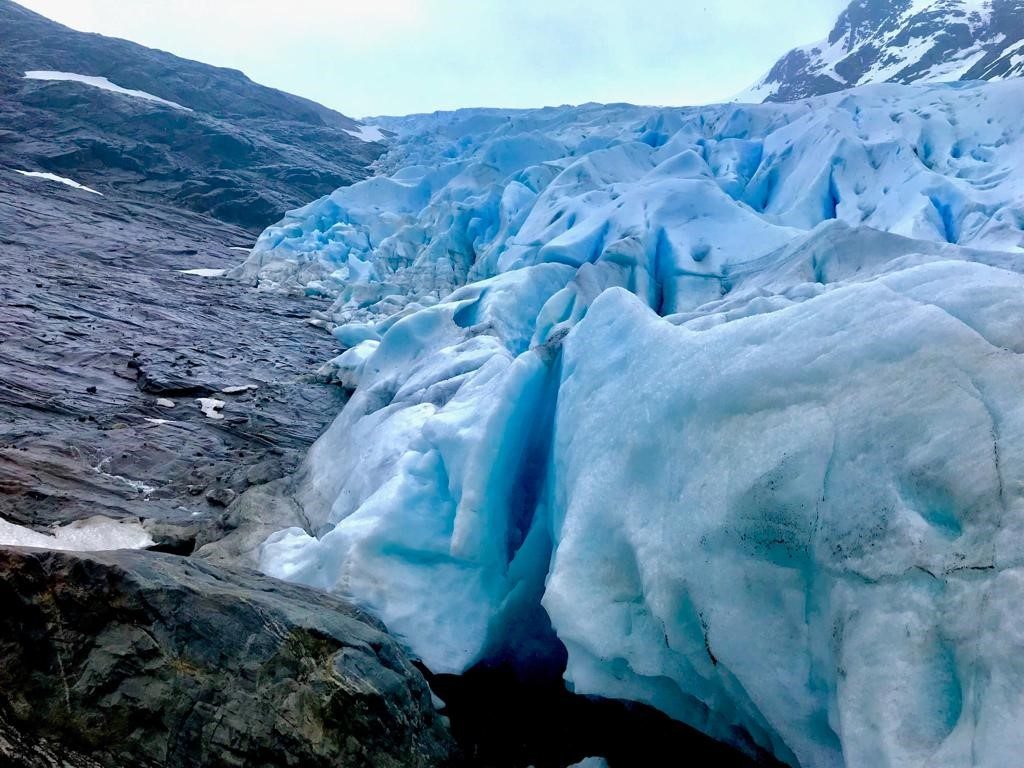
725, 401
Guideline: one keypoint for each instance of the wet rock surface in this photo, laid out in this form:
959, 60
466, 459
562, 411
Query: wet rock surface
138, 658
105, 349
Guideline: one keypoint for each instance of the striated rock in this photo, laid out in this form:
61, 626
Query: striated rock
82, 430
138, 658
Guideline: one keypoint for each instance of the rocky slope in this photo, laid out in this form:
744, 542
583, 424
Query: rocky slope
137, 398
902, 41
215, 142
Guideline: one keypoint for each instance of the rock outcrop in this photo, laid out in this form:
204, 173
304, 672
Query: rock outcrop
143, 659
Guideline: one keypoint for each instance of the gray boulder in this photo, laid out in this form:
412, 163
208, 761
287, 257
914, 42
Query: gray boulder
140, 658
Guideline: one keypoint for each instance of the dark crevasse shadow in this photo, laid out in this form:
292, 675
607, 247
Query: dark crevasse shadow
502, 720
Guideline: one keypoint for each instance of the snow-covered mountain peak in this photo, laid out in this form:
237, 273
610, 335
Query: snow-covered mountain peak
902, 41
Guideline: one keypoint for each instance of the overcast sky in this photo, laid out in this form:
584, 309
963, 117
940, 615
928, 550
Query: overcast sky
372, 57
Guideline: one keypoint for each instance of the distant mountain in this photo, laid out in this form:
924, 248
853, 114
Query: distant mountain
902, 41
119, 116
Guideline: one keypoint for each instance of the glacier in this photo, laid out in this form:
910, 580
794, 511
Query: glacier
722, 401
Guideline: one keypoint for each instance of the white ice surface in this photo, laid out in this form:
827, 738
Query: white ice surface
101, 83
96, 534
58, 179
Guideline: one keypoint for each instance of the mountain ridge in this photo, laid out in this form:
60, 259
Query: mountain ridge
107, 55
240, 151
902, 41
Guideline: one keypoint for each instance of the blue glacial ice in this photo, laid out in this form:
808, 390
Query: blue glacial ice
725, 399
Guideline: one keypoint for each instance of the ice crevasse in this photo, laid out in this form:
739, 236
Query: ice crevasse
723, 401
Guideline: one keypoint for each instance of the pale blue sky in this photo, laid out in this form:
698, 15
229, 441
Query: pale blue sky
371, 57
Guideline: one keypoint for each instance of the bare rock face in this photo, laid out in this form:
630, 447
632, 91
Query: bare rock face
139, 658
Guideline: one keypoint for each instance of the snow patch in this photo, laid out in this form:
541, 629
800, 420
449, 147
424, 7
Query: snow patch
101, 83
367, 133
203, 272
211, 407
59, 179
97, 534
893, 51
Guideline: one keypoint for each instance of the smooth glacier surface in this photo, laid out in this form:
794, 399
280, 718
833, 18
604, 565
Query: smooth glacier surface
724, 400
